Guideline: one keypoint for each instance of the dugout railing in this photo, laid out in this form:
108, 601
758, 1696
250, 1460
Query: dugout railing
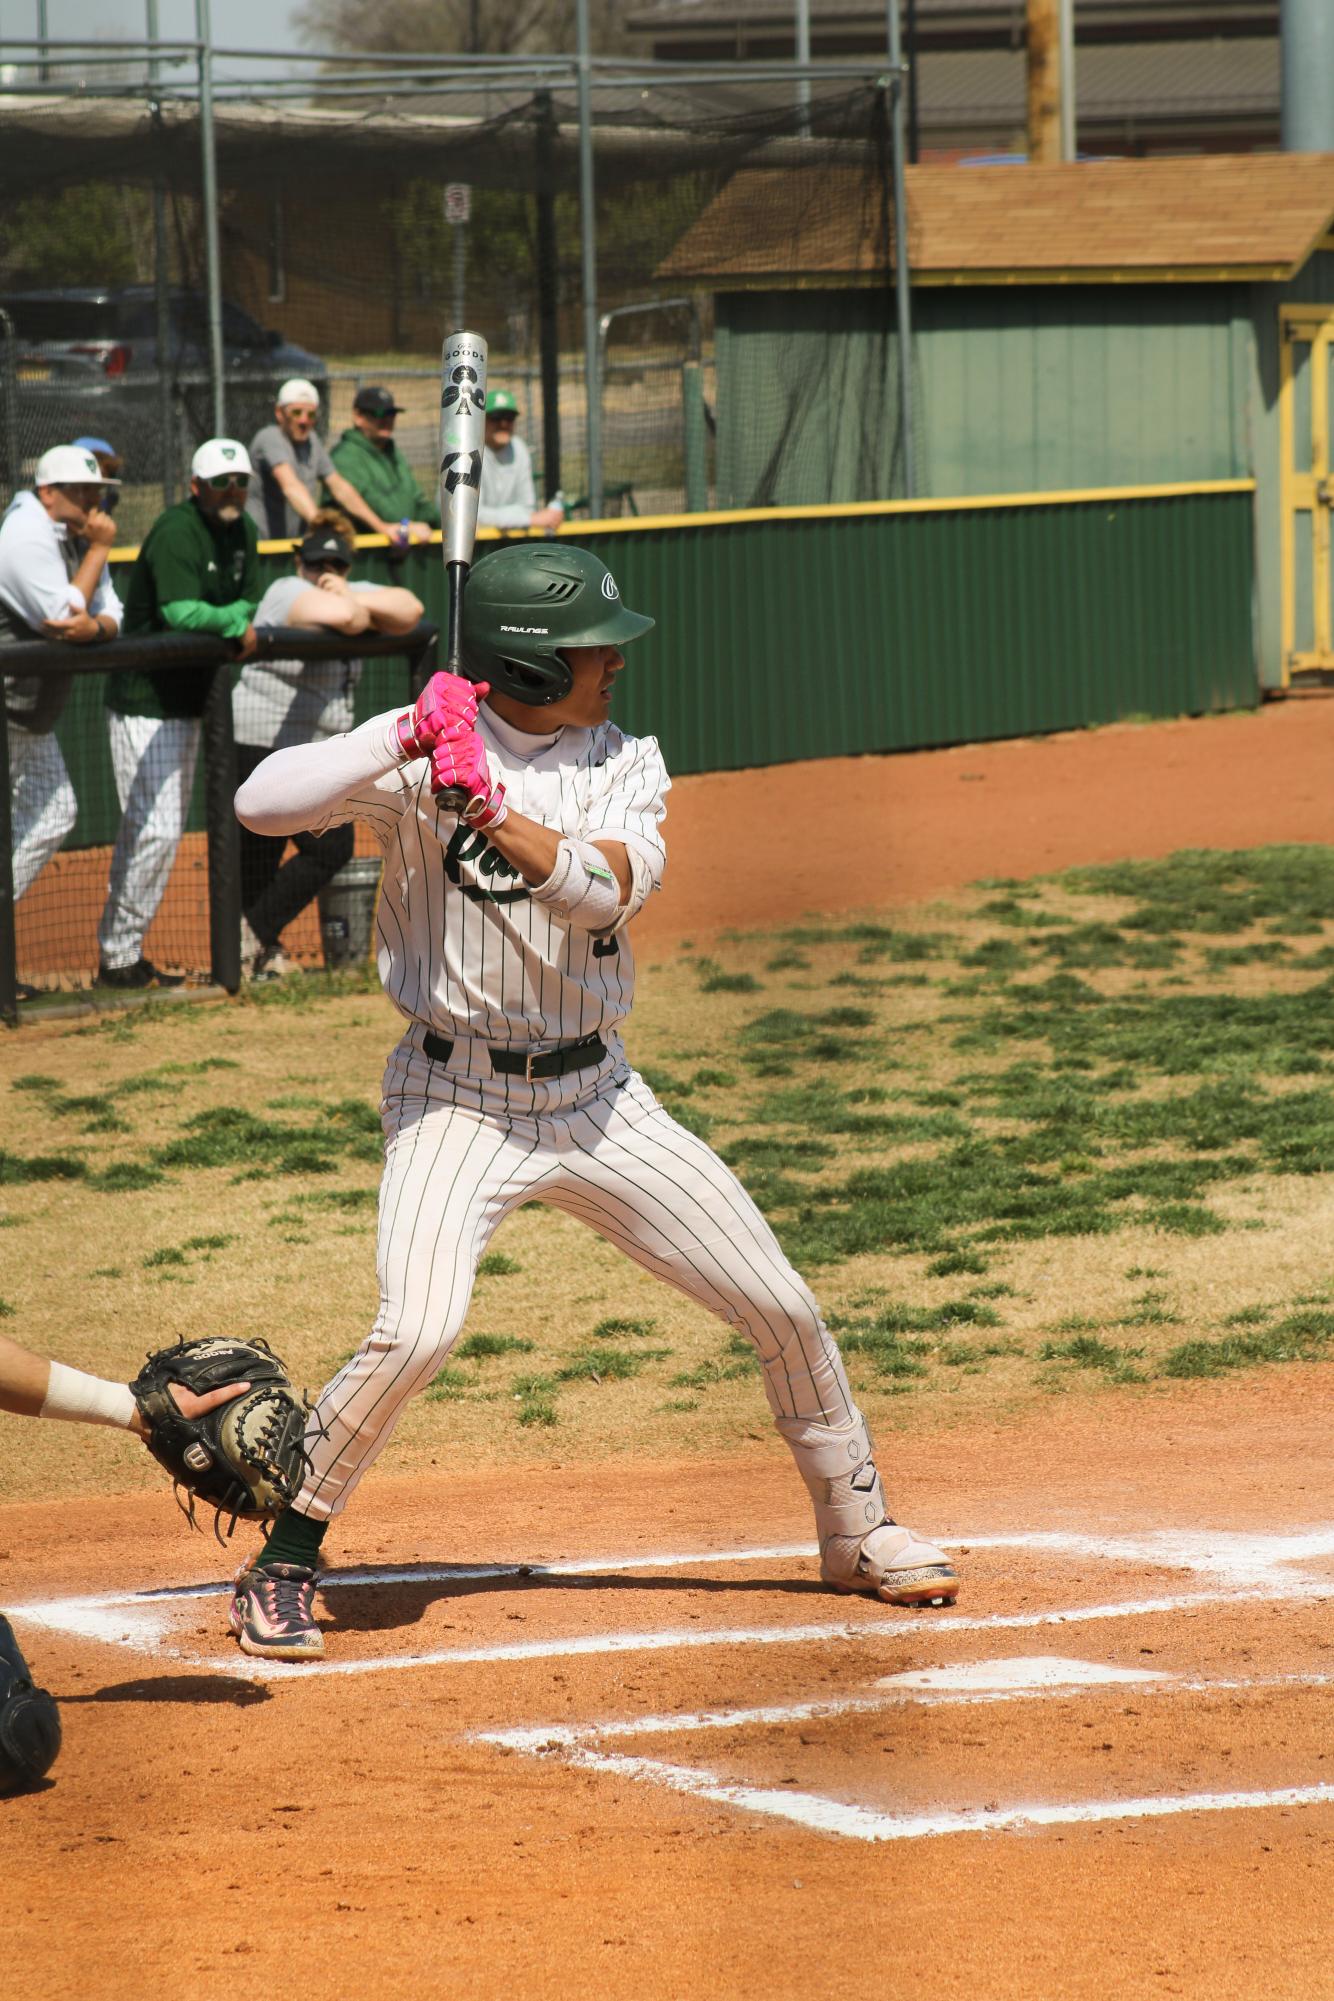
205, 882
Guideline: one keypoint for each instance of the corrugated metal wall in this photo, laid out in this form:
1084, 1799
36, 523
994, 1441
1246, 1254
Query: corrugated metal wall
828, 636
1017, 389
822, 637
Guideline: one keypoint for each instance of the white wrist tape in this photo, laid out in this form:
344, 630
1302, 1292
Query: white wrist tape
85, 1399
582, 887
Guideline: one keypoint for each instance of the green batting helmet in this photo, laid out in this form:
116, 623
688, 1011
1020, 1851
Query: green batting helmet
527, 601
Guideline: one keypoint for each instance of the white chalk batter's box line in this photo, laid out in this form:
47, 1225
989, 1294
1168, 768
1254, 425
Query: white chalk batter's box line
1240, 1569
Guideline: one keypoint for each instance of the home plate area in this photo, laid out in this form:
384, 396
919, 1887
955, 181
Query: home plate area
1082, 1679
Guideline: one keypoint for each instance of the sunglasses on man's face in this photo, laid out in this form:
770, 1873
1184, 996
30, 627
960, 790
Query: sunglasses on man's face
322, 563
220, 481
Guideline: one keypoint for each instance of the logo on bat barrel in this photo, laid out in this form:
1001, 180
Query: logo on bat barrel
463, 392
461, 469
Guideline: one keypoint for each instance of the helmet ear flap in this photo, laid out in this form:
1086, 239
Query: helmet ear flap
535, 683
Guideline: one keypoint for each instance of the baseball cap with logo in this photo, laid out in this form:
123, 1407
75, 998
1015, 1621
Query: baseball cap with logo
298, 390
70, 465
376, 401
219, 455
501, 403
322, 545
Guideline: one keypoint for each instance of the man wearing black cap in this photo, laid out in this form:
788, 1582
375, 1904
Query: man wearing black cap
281, 702
368, 458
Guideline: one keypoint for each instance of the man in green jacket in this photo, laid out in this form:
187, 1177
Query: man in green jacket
367, 456
198, 571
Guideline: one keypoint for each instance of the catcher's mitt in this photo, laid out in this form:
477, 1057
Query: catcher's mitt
245, 1458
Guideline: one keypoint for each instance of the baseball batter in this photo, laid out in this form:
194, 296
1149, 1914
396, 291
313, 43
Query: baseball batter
503, 940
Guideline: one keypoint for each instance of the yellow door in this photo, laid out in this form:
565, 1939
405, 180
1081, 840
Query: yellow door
1306, 405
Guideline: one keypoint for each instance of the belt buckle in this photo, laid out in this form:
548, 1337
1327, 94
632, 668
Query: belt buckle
528, 1063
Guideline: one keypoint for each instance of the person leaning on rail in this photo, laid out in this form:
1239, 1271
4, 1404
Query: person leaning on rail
509, 495
53, 585
280, 702
198, 571
369, 459
290, 459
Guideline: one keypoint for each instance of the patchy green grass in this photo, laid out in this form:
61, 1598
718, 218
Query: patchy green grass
485, 1347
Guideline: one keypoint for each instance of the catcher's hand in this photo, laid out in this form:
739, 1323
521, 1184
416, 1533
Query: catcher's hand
244, 1456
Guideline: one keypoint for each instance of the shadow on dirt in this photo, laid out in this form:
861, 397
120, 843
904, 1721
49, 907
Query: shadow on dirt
373, 1608
205, 1688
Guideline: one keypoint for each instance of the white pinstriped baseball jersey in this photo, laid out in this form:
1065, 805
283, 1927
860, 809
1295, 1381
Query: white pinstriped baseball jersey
462, 947
465, 953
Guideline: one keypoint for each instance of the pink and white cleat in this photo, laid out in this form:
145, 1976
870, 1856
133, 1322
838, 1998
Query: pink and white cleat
890, 1563
273, 1612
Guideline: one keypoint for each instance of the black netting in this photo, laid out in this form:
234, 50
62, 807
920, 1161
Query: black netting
339, 263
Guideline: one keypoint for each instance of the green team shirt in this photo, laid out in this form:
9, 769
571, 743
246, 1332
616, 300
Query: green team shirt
384, 479
185, 559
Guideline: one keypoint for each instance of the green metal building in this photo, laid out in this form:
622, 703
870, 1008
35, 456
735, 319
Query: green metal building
1127, 324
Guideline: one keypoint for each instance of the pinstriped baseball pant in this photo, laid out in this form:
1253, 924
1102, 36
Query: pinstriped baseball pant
615, 1160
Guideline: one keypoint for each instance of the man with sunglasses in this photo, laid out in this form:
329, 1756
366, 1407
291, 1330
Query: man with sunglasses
290, 460
281, 702
197, 571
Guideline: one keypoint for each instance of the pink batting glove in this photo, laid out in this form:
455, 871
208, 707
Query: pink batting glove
446, 702
459, 767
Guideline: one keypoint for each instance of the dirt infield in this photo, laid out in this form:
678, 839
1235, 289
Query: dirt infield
206, 1814
585, 1723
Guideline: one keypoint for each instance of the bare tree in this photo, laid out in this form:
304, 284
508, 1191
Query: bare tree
451, 27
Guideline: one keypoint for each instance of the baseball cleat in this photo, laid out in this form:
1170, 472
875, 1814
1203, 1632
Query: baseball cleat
273, 1612
890, 1563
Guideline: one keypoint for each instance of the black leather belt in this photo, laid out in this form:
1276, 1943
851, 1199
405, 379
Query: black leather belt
535, 1068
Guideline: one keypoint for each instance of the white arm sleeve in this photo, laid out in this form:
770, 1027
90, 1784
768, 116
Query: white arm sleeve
105, 602
312, 786
630, 809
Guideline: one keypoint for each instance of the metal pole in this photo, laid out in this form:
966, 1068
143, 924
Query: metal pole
1067, 35
42, 38
803, 39
9, 992
1044, 82
914, 123
1306, 62
161, 284
223, 840
588, 232
548, 322
212, 248
460, 272
902, 283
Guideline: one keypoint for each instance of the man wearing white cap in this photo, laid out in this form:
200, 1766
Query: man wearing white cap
197, 571
53, 585
290, 459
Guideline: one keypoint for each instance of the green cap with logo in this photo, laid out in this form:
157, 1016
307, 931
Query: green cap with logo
524, 602
501, 403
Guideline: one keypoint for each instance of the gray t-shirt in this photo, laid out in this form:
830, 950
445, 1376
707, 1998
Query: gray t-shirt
508, 498
267, 504
280, 702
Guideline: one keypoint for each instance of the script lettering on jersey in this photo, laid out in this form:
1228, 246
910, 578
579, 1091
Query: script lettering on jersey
466, 844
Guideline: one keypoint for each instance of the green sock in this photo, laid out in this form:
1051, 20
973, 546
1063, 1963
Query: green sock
294, 1538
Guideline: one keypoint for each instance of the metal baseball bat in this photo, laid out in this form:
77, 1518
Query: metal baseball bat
462, 431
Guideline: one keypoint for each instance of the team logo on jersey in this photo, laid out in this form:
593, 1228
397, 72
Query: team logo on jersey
467, 845
609, 589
